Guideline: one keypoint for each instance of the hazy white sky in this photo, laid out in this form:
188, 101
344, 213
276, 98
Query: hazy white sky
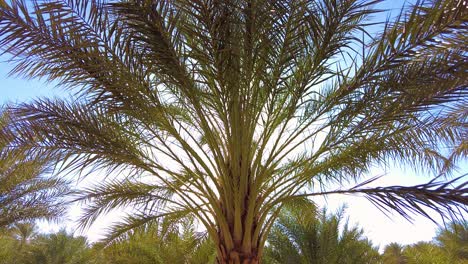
379, 228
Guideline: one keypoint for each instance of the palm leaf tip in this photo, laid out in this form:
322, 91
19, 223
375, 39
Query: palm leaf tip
448, 198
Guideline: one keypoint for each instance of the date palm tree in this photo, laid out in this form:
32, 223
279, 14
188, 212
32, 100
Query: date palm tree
393, 254
228, 109
15, 241
449, 246
23, 232
59, 248
453, 240
424, 253
161, 242
27, 192
302, 234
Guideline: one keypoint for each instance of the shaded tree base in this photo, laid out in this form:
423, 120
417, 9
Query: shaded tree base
239, 261
238, 258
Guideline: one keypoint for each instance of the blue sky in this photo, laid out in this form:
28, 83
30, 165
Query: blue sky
378, 228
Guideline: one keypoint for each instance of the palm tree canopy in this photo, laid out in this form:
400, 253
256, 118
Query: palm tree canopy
228, 109
27, 192
393, 254
161, 242
448, 247
23, 232
454, 240
302, 234
60, 247
425, 253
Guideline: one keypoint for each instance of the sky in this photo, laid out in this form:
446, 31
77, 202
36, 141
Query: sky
379, 228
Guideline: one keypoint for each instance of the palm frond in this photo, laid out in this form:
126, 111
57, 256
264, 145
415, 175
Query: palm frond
448, 198
112, 195
27, 190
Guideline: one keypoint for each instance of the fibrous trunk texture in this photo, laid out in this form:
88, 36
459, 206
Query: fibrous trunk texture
237, 256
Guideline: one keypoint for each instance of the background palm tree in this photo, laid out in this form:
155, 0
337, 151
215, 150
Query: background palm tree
162, 242
393, 254
58, 248
15, 241
9, 245
425, 253
228, 109
301, 234
453, 239
449, 246
23, 232
27, 192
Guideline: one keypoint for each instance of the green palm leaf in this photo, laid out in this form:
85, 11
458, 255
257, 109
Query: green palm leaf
27, 191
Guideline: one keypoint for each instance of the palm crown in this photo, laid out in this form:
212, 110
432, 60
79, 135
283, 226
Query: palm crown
228, 109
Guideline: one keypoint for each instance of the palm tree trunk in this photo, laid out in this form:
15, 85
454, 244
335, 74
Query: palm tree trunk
237, 256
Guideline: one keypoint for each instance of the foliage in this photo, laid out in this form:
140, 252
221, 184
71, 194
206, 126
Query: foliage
303, 235
161, 242
300, 235
15, 241
448, 247
227, 110
59, 248
8, 246
425, 253
21, 244
454, 241
23, 232
393, 254
27, 192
